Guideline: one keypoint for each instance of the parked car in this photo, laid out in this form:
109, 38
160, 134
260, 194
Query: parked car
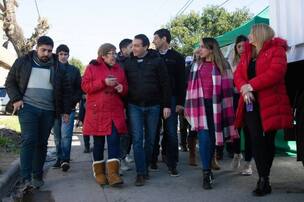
3, 99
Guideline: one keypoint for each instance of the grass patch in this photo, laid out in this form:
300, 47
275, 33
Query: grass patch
11, 122
8, 145
4, 141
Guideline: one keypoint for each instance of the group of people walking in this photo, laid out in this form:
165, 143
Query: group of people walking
138, 94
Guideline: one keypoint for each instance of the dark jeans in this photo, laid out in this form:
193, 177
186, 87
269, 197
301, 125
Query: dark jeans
162, 145
183, 129
207, 138
113, 141
143, 126
170, 139
263, 144
36, 125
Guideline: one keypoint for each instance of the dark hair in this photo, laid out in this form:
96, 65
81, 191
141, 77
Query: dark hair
62, 48
45, 40
236, 56
239, 39
144, 39
124, 43
163, 33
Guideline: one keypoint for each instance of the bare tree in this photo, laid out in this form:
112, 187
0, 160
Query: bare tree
14, 32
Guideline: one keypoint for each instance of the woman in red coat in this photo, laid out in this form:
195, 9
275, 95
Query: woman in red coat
105, 84
265, 106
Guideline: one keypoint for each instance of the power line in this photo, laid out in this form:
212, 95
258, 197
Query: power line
37, 8
185, 6
223, 3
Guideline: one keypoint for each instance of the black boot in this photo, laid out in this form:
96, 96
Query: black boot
263, 187
87, 149
207, 180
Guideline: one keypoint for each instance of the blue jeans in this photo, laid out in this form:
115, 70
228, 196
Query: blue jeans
143, 119
36, 125
207, 138
63, 133
113, 141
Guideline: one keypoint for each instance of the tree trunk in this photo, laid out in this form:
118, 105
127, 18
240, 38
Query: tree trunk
14, 32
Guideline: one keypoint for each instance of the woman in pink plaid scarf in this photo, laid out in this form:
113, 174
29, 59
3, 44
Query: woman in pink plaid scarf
209, 103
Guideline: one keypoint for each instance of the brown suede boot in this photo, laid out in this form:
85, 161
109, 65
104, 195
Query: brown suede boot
99, 168
113, 176
192, 151
214, 164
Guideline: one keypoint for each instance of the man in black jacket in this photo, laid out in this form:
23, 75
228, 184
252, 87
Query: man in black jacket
149, 87
39, 90
176, 68
64, 131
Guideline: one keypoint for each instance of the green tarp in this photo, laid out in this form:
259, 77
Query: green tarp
283, 147
229, 37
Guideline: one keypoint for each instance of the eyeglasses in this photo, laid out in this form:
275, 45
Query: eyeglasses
112, 54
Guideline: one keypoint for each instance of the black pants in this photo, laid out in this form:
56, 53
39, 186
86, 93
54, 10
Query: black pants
237, 145
184, 127
156, 149
263, 144
86, 140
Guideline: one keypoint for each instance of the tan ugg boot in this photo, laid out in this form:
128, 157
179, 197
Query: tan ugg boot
99, 168
192, 153
214, 164
113, 176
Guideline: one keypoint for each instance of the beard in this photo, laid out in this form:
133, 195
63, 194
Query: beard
44, 59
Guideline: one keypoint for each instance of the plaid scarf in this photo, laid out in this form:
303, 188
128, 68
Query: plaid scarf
222, 99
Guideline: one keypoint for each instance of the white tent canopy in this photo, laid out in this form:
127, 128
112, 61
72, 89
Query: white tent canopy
287, 19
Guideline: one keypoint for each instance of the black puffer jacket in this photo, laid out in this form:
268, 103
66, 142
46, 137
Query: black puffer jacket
75, 79
175, 63
121, 59
148, 81
18, 78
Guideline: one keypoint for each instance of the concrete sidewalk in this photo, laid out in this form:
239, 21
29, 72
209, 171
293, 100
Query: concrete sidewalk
78, 185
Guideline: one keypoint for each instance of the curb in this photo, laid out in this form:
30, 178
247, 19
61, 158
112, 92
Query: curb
9, 178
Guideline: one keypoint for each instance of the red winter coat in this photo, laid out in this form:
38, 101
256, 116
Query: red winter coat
269, 83
104, 105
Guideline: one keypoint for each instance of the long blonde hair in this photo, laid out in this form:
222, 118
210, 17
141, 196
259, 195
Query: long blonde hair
217, 55
261, 33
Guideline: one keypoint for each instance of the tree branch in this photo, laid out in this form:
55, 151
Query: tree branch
14, 32
2, 8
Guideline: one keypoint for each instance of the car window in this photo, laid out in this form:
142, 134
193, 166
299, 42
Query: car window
2, 92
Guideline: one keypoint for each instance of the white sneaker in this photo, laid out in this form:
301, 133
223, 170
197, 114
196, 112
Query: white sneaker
124, 165
129, 159
247, 170
236, 161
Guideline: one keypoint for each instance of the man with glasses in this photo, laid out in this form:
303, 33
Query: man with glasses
64, 131
39, 90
